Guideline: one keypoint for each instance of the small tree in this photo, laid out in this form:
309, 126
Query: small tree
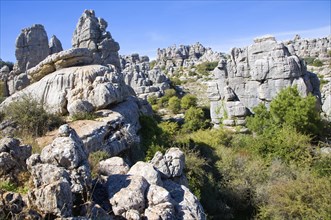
194, 119
188, 101
174, 104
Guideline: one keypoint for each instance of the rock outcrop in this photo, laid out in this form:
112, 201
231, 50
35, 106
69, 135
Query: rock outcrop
91, 33
31, 48
172, 58
256, 74
145, 192
55, 45
316, 48
12, 158
141, 78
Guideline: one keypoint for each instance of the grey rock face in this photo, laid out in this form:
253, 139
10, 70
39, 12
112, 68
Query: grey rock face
91, 33
31, 48
147, 171
141, 78
98, 85
12, 158
55, 45
113, 166
60, 175
129, 201
174, 57
54, 198
253, 75
171, 164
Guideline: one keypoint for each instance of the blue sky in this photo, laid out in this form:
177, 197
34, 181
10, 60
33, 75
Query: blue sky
144, 26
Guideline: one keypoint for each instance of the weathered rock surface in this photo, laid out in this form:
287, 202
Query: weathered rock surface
61, 175
91, 33
141, 78
172, 58
55, 45
12, 158
147, 171
31, 48
113, 166
98, 85
256, 74
317, 48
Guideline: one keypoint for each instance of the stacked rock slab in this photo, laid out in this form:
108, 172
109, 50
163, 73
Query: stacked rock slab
256, 74
91, 33
141, 78
174, 57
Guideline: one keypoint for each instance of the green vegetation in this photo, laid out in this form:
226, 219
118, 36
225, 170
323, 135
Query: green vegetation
84, 116
274, 173
317, 63
174, 104
94, 159
152, 64
31, 117
206, 67
188, 101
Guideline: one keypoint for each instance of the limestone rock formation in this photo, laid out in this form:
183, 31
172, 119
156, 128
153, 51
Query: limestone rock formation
12, 158
141, 78
91, 33
140, 193
174, 57
113, 166
31, 48
317, 48
61, 174
55, 45
256, 74
98, 85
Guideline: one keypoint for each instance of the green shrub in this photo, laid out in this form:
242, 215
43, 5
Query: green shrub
31, 117
152, 100
188, 101
94, 159
317, 63
175, 81
309, 60
206, 67
168, 93
174, 104
194, 119
84, 116
152, 64
305, 197
291, 109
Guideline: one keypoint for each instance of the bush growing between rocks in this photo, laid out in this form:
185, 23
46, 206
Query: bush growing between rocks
94, 159
206, 67
188, 101
317, 63
174, 104
31, 117
194, 120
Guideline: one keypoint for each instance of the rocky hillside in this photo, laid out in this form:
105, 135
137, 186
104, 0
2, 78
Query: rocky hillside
88, 80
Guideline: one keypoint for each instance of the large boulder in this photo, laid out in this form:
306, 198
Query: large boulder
91, 33
113, 166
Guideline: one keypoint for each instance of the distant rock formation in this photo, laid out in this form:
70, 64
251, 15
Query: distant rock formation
255, 74
55, 45
141, 78
91, 33
31, 48
185, 56
317, 48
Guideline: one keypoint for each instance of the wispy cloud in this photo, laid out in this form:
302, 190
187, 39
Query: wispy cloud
286, 35
156, 37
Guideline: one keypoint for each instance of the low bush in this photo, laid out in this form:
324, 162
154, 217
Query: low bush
317, 63
174, 104
206, 67
84, 116
94, 159
194, 120
188, 101
31, 117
